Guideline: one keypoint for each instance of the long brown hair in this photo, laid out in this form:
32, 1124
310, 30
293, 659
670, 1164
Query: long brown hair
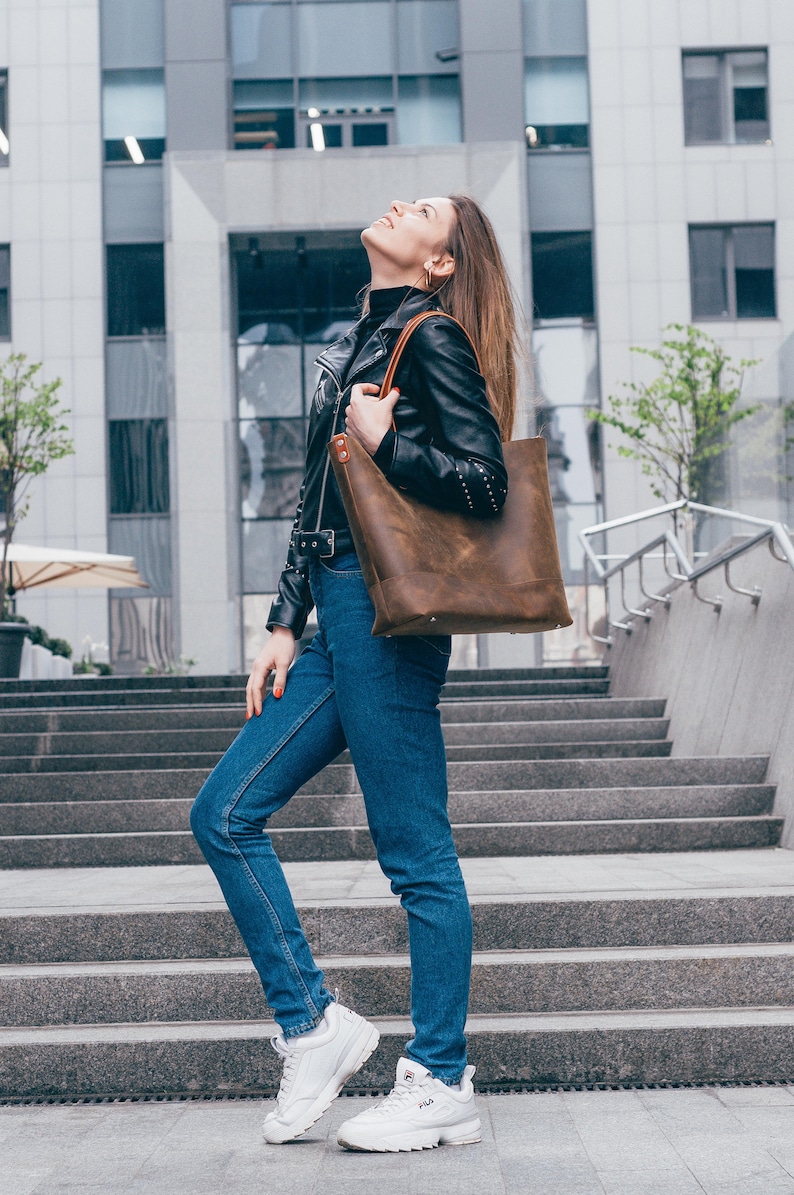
478, 294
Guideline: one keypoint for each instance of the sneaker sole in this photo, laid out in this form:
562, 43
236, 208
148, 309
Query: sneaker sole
462, 1134
281, 1134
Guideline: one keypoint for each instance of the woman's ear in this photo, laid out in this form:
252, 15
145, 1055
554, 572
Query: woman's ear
441, 267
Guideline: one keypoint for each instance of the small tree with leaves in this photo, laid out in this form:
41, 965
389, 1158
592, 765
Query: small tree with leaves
32, 435
677, 425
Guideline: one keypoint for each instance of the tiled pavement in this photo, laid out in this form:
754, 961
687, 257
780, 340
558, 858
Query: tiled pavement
722, 1141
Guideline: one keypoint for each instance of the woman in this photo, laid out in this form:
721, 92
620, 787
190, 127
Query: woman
378, 697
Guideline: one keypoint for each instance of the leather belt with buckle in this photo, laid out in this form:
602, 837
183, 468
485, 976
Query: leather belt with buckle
314, 543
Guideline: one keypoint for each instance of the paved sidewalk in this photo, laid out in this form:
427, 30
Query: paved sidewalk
722, 1141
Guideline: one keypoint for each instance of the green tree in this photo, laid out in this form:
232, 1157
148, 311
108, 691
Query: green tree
32, 435
677, 425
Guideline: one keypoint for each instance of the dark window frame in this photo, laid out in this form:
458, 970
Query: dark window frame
114, 313
5, 301
138, 467
4, 113
727, 114
586, 310
729, 268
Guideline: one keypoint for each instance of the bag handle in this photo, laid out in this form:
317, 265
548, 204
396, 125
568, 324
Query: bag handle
402, 341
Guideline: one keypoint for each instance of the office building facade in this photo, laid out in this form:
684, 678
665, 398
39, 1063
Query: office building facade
182, 185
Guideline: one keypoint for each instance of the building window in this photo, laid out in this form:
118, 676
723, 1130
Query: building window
135, 290
133, 116
314, 75
726, 97
4, 118
138, 466
732, 271
557, 108
562, 275
5, 292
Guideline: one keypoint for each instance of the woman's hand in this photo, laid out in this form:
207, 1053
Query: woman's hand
276, 656
369, 417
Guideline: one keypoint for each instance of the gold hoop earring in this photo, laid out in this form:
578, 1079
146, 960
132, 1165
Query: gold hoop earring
428, 279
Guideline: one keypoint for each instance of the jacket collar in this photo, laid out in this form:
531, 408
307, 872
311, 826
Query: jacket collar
348, 358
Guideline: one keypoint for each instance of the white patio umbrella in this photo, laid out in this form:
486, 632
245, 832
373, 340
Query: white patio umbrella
31, 568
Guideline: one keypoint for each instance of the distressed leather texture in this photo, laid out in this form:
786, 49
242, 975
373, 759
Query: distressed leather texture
434, 572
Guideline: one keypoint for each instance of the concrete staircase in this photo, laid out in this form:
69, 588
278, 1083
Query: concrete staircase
620, 957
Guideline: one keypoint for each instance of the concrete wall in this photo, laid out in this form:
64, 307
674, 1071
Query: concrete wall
208, 196
728, 677
51, 214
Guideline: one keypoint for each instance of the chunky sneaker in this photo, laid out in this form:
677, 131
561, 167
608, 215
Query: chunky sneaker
317, 1064
420, 1112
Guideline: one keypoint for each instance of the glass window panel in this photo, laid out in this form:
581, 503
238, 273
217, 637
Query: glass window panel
136, 379
428, 110
555, 27
556, 91
750, 112
569, 429
132, 34
140, 633
754, 259
370, 133
709, 278
703, 104
5, 285
135, 290
261, 37
264, 115
133, 103
269, 380
562, 275
423, 28
149, 541
264, 552
4, 118
344, 39
754, 246
273, 453
138, 466
332, 94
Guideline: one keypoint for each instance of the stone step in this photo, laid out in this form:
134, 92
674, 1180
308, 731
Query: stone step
480, 840
545, 805
501, 982
217, 739
340, 778
137, 691
81, 720
477, 752
693, 1045
138, 924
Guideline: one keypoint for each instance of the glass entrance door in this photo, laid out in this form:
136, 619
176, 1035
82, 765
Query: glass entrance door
294, 295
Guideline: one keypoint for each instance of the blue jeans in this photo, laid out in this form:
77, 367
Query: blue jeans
379, 697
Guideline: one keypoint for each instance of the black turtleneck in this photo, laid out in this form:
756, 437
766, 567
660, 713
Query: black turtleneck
382, 303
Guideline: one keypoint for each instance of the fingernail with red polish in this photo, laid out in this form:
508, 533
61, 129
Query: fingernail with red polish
277, 692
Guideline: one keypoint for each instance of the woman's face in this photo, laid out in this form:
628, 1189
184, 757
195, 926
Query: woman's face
411, 235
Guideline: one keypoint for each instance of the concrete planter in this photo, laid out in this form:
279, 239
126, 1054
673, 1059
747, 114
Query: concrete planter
12, 636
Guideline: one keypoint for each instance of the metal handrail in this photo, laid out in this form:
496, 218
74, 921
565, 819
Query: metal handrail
775, 533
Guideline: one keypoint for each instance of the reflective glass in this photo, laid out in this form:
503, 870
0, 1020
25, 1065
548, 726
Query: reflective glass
556, 91
344, 39
264, 552
428, 110
707, 251
562, 275
4, 118
264, 115
261, 37
136, 378
133, 103
703, 108
269, 380
135, 290
331, 95
271, 466
138, 466
754, 259
555, 27
149, 541
425, 27
5, 287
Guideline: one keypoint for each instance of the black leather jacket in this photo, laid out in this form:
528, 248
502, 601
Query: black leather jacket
447, 450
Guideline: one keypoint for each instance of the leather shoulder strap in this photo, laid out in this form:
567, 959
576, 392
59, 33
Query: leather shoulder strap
405, 336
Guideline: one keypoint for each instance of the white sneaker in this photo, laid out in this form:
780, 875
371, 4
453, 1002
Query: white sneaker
420, 1112
316, 1067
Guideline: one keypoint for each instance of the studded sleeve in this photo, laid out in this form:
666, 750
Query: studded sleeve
293, 602
462, 466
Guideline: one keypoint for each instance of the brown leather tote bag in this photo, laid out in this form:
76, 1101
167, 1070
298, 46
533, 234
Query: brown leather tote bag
439, 572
